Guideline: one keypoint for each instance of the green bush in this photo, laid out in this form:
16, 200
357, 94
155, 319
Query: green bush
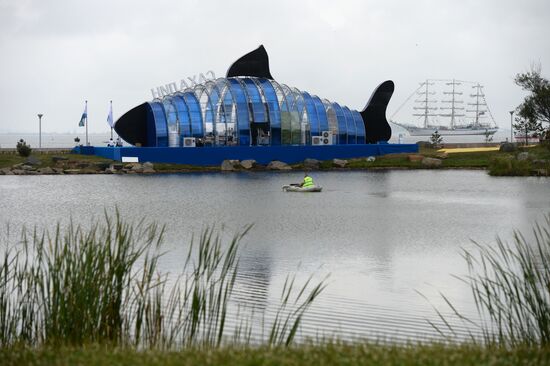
23, 149
508, 166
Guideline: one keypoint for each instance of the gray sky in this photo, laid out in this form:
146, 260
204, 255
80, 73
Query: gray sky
56, 54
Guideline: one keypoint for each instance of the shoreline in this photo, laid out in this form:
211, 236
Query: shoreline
527, 161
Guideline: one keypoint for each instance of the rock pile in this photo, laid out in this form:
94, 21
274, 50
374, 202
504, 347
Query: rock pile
308, 164
431, 162
66, 166
278, 165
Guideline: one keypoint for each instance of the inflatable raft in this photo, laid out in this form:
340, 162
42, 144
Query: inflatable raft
297, 188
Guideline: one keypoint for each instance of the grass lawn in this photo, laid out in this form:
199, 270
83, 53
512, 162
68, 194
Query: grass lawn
8, 160
325, 354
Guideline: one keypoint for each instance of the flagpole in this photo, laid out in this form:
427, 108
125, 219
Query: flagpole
87, 144
111, 114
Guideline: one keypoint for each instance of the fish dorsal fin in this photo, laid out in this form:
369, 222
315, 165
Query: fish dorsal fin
254, 63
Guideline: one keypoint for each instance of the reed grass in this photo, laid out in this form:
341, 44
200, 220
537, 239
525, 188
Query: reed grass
288, 318
510, 283
102, 285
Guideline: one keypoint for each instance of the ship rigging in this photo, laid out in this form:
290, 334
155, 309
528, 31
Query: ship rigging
448, 116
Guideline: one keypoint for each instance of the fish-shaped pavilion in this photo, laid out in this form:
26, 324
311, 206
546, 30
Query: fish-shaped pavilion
249, 108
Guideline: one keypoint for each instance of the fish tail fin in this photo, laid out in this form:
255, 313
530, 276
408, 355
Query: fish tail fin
377, 127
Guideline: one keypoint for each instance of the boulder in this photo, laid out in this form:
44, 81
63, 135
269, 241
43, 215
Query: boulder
339, 163
6, 171
431, 162
46, 170
32, 160
57, 159
228, 165
442, 155
148, 165
508, 147
102, 165
248, 164
27, 167
90, 169
148, 169
137, 168
415, 157
58, 170
69, 164
71, 171
117, 166
522, 156
278, 165
312, 163
18, 171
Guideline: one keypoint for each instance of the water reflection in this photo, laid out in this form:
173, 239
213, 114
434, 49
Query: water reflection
252, 288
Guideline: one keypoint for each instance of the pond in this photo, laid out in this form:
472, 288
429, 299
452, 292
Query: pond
389, 240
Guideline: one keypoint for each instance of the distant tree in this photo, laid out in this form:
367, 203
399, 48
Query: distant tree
535, 109
528, 128
436, 139
23, 149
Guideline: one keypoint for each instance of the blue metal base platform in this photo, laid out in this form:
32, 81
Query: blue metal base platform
209, 156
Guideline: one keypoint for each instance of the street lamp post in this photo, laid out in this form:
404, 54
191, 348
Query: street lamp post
40, 130
511, 126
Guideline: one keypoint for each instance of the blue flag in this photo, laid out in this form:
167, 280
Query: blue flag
84, 116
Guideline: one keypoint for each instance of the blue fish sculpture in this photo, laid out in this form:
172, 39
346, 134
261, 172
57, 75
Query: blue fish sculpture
249, 108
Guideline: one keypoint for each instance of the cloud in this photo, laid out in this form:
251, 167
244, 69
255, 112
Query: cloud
56, 54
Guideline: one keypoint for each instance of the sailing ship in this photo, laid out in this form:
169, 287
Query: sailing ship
450, 117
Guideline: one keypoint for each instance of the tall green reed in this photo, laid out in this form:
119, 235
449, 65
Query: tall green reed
291, 312
72, 287
103, 285
510, 283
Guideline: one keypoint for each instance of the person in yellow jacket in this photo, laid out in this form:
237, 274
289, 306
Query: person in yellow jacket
308, 181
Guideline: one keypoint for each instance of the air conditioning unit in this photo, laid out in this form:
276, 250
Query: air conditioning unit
317, 140
327, 138
189, 142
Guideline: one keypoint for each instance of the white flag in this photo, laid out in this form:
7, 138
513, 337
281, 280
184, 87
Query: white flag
110, 115
84, 116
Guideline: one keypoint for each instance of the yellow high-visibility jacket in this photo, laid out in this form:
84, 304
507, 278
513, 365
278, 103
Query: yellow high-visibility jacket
308, 182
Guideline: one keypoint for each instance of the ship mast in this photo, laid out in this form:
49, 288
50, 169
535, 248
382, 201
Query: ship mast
478, 112
425, 102
454, 108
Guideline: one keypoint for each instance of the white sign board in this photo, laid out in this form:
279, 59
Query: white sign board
130, 159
